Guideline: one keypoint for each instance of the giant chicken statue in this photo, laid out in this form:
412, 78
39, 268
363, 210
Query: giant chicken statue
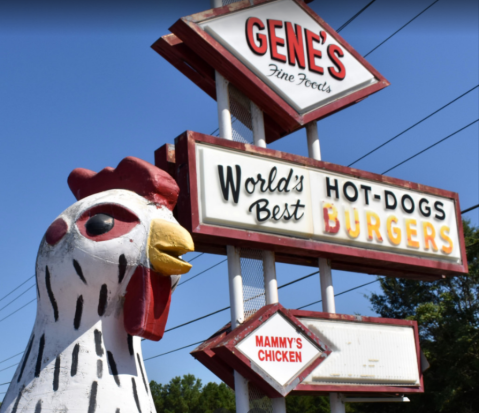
105, 272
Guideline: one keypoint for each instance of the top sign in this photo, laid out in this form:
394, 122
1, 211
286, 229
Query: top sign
283, 56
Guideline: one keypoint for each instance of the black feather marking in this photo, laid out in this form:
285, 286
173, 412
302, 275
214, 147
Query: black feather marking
17, 402
114, 370
117, 411
98, 346
56, 374
29, 348
122, 264
41, 347
142, 372
130, 344
93, 393
50, 294
38, 407
79, 271
75, 353
36, 279
135, 394
78, 313
99, 368
102, 303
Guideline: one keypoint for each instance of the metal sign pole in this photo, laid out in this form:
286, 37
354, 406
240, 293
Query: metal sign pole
325, 277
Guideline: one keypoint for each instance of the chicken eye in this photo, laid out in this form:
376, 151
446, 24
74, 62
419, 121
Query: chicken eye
99, 224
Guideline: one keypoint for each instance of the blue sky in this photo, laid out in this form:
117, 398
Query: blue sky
80, 87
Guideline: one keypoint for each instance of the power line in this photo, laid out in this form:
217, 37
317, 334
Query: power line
356, 15
408, 129
3, 361
172, 351
4, 384
470, 209
9, 367
18, 310
17, 297
341, 293
5, 296
202, 272
397, 31
198, 256
429, 147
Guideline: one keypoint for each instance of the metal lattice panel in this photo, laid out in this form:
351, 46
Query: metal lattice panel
253, 281
258, 402
240, 116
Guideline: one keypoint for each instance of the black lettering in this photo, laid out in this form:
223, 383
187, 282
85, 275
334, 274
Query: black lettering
273, 69
225, 187
438, 206
272, 177
330, 187
261, 209
250, 181
347, 185
276, 209
262, 188
289, 216
301, 79
387, 195
427, 212
296, 206
366, 190
409, 210
285, 182
299, 186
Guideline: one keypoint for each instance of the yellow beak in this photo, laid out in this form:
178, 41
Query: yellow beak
166, 242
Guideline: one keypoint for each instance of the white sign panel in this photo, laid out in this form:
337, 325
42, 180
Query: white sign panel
279, 349
365, 354
246, 191
291, 52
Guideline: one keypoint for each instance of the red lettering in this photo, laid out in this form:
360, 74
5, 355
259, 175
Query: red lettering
294, 39
284, 355
312, 52
266, 342
259, 341
334, 53
299, 357
278, 355
291, 356
290, 342
261, 354
275, 41
274, 342
262, 46
268, 355
282, 342
299, 343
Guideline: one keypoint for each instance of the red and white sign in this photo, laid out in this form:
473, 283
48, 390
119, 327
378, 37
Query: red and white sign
279, 53
285, 351
237, 194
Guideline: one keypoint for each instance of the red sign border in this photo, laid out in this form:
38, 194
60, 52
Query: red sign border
211, 357
209, 49
212, 239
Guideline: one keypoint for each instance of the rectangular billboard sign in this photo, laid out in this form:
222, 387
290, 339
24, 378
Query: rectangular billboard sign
293, 351
239, 194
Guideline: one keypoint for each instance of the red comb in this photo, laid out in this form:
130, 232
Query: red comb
132, 174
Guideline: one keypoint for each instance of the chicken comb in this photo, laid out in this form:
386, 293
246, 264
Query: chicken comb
132, 174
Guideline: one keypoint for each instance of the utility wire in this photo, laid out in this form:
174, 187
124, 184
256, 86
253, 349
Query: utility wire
4, 384
429, 147
198, 256
17, 297
172, 351
3, 361
9, 367
397, 31
356, 15
341, 293
5, 296
202, 272
408, 129
470, 209
17, 310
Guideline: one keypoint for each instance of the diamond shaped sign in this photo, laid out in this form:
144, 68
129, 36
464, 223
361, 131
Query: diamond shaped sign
273, 349
282, 56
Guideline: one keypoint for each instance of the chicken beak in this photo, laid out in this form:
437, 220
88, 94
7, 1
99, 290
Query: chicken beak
166, 243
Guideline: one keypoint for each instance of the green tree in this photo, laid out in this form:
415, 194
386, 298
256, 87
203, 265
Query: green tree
447, 312
215, 397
